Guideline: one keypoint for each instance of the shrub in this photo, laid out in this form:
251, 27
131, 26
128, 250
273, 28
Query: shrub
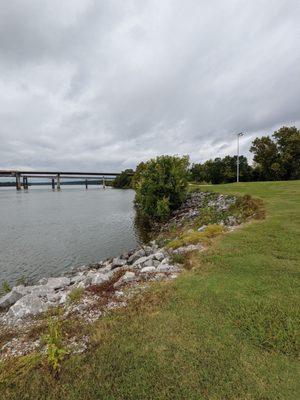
249, 207
161, 186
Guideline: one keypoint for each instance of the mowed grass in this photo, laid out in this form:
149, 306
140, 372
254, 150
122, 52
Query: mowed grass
227, 329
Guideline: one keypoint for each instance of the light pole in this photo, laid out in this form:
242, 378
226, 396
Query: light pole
238, 157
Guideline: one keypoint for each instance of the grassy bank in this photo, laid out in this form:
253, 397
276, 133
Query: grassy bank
224, 330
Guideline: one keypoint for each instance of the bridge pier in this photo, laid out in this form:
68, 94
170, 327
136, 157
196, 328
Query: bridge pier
25, 183
86, 184
53, 183
18, 181
58, 181
103, 182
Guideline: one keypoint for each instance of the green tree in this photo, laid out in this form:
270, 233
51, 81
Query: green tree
266, 155
197, 173
161, 186
288, 144
123, 181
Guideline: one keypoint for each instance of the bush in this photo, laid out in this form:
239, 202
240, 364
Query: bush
161, 186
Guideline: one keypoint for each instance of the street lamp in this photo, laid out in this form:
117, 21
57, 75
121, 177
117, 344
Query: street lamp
238, 157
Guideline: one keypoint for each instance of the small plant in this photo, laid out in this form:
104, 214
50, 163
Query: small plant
75, 295
56, 351
248, 207
6, 287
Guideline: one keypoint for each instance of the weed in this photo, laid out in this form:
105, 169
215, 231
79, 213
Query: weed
194, 237
6, 287
75, 295
56, 350
248, 207
177, 258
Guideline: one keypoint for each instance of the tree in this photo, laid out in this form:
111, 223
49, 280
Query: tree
288, 144
197, 173
266, 155
123, 181
161, 186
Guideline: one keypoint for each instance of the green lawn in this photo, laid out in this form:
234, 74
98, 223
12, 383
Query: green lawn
225, 330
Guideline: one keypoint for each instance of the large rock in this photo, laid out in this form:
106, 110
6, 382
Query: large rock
9, 299
97, 279
118, 262
136, 255
58, 283
126, 278
159, 256
27, 305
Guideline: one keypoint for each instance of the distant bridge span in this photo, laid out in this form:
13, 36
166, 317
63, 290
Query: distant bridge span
55, 176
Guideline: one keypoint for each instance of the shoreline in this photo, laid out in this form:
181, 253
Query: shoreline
93, 290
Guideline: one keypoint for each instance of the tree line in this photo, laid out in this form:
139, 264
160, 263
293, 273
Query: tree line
275, 157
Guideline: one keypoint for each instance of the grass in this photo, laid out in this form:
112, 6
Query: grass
225, 329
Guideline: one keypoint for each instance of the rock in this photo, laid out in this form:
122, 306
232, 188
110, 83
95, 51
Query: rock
148, 250
136, 255
186, 249
127, 277
148, 269
118, 262
9, 299
202, 228
156, 263
76, 279
148, 263
158, 256
97, 279
167, 268
27, 305
58, 283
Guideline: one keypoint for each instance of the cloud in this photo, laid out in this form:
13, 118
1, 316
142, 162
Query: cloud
103, 85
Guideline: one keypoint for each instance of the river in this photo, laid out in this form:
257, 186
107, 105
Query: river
45, 233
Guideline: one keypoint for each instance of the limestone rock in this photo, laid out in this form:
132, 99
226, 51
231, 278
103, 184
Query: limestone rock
136, 255
58, 283
127, 277
9, 299
27, 305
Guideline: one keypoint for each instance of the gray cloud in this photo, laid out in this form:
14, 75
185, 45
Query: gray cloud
104, 85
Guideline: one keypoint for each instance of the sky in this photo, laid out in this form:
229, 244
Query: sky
102, 85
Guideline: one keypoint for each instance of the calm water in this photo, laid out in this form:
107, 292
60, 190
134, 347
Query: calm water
45, 233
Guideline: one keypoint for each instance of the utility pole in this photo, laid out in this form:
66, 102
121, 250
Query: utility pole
238, 157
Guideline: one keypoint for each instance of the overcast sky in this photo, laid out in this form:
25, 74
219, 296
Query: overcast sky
106, 84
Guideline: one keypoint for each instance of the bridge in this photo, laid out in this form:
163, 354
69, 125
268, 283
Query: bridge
22, 177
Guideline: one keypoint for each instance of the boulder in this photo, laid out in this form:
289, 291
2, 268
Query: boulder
158, 256
9, 299
97, 279
27, 305
118, 262
58, 283
127, 277
136, 255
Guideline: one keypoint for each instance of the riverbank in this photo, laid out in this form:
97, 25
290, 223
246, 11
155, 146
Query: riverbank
89, 292
225, 328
